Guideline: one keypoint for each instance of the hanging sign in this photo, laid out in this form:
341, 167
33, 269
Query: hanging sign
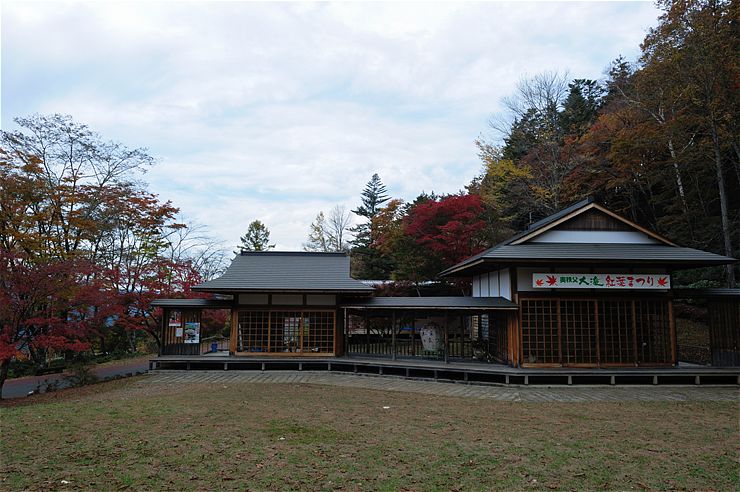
600, 281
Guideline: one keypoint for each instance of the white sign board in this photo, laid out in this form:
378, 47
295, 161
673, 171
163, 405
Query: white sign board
600, 281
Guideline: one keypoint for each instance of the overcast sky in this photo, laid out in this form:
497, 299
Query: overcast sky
277, 111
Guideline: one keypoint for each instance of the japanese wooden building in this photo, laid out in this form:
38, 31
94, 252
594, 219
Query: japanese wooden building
584, 287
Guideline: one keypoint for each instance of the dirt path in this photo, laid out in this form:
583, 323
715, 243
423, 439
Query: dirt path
19, 387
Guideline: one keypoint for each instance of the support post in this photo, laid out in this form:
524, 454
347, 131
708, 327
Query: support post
393, 334
165, 319
234, 328
367, 333
345, 334
447, 338
672, 331
413, 333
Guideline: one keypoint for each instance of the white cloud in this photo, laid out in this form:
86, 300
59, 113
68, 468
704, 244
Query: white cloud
277, 111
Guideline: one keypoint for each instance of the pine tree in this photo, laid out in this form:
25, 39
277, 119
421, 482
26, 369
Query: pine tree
373, 196
257, 238
370, 263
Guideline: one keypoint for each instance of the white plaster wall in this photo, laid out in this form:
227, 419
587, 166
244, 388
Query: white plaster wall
287, 299
492, 284
321, 300
260, 299
594, 237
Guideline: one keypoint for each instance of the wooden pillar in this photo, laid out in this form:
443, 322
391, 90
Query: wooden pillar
560, 332
519, 339
269, 332
463, 333
413, 333
165, 319
634, 333
393, 334
447, 338
367, 333
337, 332
672, 330
346, 332
234, 328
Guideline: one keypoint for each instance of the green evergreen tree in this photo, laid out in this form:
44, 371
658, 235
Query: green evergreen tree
257, 238
369, 262
580, 107
373, 196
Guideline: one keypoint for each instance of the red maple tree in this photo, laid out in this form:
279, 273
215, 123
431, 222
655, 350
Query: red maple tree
451, 227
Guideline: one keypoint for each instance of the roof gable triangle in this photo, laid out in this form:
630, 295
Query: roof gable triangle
590, 217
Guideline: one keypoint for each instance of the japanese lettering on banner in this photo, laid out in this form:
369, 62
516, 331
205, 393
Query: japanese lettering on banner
600, 281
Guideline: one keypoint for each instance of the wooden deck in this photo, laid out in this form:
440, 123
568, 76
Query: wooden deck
468, 372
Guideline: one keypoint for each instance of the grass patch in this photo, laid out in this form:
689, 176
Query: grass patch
139, 435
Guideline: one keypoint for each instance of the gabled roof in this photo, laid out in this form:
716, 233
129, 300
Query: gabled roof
519, 249
573, 211
287, 271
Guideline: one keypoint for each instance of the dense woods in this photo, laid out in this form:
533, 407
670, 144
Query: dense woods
85, 247
656, 140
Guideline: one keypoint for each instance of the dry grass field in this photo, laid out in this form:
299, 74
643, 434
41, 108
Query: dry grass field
129, 435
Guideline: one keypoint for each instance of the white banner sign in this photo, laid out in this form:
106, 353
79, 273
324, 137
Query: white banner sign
600, 281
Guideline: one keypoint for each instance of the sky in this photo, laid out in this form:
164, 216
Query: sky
276, 111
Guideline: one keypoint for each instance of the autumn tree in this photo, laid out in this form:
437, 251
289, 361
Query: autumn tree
451, 227
73, 169
535, 131
430, 234
67, 195
662, 149
54, 305
696, 45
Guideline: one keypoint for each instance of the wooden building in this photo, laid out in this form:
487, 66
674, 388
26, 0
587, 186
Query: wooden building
593, 289
584, 287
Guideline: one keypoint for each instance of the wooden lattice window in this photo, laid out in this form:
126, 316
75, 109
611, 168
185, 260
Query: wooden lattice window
253, 335
572, 331
616, 338
318, 332
286, 331
540, 339
578, 331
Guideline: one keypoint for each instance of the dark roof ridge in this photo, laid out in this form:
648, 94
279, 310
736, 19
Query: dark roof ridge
560, 213
293, 253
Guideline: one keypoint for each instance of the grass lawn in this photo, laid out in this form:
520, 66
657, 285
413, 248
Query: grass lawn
127, 434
